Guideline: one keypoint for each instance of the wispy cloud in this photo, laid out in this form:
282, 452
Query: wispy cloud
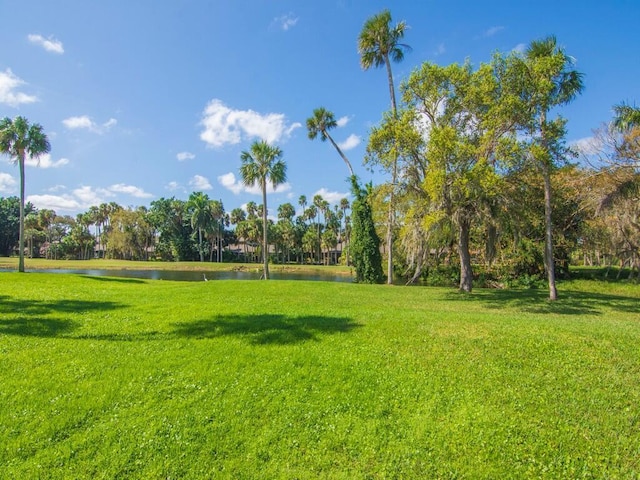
440, 49
184, 156
130, 190
173, 186
85, 122
7, 183
49, 44
285, 22
9, 83
587, 146
492, 31
226, 126
332, 197
342, 121
199, 183
45, 162
235, 185
351, 142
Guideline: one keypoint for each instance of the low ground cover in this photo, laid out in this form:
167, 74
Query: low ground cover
121, 378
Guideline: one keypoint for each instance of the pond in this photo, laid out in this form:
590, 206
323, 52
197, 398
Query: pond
194, 276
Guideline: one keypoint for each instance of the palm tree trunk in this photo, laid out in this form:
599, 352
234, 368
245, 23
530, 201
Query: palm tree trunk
265, 243
394, 178
340, 152
21, 234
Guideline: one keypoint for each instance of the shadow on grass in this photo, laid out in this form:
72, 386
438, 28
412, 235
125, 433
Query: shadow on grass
31, 318
37, 327
266, 329
569, 302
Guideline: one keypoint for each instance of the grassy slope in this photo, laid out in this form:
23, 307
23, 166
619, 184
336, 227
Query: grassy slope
120, 378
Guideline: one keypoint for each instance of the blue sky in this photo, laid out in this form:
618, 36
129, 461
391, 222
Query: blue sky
146, 99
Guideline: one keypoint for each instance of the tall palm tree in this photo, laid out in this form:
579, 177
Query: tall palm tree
379, 44
18, 139
626, 117
260, 164
551, 81
319, 124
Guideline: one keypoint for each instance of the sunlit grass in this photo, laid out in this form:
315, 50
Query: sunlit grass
110, 264
123, 378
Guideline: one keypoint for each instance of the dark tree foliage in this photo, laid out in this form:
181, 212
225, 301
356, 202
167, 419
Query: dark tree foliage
365, 243
10, 223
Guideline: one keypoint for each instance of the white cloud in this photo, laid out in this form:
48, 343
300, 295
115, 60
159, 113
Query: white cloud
587, 146
85, 122
200, 183
89, 196
182, 156
7, 183
332, 197
285, 22
129, 190
8, 94
49, 44
492, 31
173, 186
45, 162
351, 142
223, 125
440, 49
110, 123
342, 121
83, 197
56, 202
230, 182
520, 48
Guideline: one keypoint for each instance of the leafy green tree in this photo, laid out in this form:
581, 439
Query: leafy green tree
10, 223
548, 80
365, 243
170, 218
18, 138
260, 164
319, 124
378, 45
201, 216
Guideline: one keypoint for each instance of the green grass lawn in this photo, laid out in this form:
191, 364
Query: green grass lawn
122, 378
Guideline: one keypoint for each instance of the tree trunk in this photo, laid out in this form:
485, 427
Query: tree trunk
466, 273
200, 244
265, 244
339, 152
548, 238
21, 234
391, 217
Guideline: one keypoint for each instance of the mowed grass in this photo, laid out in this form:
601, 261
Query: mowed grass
121, 378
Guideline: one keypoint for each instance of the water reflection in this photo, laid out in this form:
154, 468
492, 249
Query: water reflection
194, 276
